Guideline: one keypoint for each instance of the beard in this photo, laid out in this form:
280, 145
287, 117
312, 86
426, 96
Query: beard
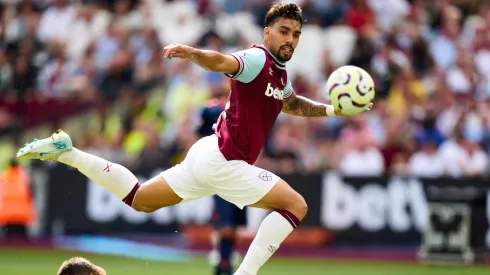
283, 57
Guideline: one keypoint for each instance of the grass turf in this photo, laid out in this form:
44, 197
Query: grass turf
47, 262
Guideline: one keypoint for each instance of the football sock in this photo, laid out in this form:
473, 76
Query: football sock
225, 249
114, 177
272, 232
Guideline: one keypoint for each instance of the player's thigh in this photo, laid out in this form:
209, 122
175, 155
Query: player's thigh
283, 197
172, 186
155, 194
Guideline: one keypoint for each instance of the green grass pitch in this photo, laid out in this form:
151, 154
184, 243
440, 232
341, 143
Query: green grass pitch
46, 262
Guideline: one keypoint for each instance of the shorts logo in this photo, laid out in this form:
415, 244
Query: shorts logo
107, 168
265, 176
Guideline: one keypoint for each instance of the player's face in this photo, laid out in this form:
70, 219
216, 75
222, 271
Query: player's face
282, 37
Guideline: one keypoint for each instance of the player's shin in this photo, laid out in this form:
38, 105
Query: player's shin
114, 177
272, 232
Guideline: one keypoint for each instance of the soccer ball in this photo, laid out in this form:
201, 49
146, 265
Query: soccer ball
350, 90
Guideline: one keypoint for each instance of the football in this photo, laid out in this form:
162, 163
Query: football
350, 90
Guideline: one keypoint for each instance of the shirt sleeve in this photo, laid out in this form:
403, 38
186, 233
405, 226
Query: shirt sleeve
251, 62
288, 90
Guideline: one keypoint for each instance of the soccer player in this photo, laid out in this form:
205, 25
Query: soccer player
80, 266
226, 216
221, 164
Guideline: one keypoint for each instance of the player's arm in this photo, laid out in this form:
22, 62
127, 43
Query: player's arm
214, 61
243, 66
297, 105
209, 60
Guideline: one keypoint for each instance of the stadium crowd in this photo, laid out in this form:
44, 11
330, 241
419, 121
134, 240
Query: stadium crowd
430, 61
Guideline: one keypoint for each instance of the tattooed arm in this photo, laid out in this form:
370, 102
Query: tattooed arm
301, 106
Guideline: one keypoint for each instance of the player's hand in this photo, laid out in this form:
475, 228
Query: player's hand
177, 50
368, 108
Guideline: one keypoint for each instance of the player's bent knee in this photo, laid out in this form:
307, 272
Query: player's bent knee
153, 195
296, 204
283, 197
299, 207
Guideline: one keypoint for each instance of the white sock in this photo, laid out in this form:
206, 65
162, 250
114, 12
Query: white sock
272, 232
114, 177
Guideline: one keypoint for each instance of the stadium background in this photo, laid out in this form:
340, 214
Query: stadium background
95, 69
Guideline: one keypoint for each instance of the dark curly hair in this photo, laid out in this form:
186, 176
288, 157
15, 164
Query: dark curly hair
283, 10
80, 266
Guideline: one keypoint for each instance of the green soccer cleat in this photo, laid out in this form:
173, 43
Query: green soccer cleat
48, 149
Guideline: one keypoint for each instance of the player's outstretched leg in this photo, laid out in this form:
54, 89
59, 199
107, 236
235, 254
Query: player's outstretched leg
154, 194
289, 209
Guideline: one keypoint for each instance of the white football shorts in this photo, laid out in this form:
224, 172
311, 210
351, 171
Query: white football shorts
205, 172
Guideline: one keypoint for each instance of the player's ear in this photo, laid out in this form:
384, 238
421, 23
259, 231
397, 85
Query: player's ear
266, 33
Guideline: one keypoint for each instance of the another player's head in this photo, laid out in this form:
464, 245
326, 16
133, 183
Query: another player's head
80, 266
283, 24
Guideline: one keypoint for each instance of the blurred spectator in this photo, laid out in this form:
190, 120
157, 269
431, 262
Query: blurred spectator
359, 14
57, 21
462, 76
360, 155
17, 210
405, 91
425, 162
476, 162
463, 156
396, 151
153, 156
428, 131
444, 47
389, 12
55, 77
90, 24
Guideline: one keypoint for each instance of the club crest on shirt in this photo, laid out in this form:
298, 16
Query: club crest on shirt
265, 176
